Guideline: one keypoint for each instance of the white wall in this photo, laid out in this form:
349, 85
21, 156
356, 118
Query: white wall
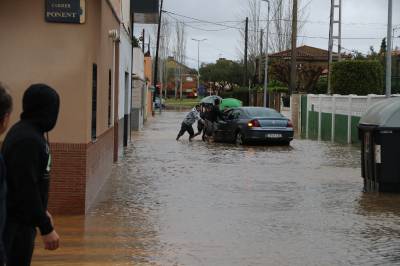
138, 89
124, 67
138, 70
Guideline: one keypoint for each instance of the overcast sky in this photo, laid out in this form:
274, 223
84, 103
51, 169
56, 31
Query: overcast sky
361, 18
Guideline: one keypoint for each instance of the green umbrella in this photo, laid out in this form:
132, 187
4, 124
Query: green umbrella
230, 103
210, 99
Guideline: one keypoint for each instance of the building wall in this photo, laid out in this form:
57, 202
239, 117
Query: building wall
26, 58
125, 82
148, 69
148, 75
99, 153
62, 56
139, 87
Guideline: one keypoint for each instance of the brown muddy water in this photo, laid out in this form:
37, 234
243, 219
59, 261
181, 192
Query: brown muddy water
181, 203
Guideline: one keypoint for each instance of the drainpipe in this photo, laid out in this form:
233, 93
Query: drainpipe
114, 36
131, 74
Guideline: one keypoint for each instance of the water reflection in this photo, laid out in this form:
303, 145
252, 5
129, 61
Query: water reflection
181, 203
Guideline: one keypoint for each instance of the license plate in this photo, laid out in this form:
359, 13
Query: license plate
274, 136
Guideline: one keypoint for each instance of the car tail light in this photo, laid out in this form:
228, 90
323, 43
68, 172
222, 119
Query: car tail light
254, 123
289, 123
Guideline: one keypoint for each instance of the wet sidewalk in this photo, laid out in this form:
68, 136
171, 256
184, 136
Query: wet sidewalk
181, 203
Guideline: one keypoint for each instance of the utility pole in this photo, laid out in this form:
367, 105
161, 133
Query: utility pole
336, 5
157, 50
266, 98
143, 39
261, 53
293, 64
389, 50
176, 77
246, 41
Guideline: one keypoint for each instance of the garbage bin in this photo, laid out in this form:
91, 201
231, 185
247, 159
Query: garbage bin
379, 133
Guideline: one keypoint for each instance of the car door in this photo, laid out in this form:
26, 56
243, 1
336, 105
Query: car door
224, 126
234, 124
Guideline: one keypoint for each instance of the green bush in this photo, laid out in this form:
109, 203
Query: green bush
321, 87
357, 77
279, 89
240, 93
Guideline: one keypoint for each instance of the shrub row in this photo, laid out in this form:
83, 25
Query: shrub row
357, 77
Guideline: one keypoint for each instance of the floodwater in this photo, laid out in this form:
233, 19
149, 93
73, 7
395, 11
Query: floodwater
181, 203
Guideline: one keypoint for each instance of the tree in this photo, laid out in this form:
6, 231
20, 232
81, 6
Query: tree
224, 74
357, 77
383, 49
281, 24
308, 75
179, 53
280, 31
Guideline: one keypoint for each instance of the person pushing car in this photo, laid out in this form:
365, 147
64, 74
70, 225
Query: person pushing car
190, 119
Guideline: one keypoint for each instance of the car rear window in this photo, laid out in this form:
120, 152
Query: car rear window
263, 112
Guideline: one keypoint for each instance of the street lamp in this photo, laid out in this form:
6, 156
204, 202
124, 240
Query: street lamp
266, 104
394, 37
389, 50
198, 59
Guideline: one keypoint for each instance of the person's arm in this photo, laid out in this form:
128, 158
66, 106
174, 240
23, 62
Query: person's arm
197, 116
220, 115
24, 168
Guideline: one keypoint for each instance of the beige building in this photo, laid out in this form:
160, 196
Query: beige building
88, 63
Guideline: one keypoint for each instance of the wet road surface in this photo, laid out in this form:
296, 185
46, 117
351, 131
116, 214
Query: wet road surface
181, 203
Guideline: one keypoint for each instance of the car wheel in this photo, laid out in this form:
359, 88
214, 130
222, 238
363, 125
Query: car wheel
239, 140
286, 142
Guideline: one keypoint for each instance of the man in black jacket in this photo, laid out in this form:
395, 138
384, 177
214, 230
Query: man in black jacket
5, 111
211, 118
27, 157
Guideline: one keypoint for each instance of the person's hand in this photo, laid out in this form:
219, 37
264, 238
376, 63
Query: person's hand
51, 218
51, 241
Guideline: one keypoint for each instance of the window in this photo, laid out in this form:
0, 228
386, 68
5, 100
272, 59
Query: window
94, 102
109, 97
263, 112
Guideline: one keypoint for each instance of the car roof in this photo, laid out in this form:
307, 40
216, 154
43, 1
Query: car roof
245, 108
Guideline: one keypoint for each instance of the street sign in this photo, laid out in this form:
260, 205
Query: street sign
145, 11
66, 11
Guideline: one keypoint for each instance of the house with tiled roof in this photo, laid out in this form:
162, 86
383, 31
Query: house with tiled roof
307, 54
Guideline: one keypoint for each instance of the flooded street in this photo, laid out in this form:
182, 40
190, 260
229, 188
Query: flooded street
181, 203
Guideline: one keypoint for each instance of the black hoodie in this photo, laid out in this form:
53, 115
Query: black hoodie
27, 158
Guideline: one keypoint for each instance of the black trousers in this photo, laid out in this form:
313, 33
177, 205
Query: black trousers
19, 242
185, 128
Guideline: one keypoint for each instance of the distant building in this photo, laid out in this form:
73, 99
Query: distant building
177, 74
307, 54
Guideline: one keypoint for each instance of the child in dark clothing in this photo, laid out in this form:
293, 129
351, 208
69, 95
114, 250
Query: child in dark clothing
5, 111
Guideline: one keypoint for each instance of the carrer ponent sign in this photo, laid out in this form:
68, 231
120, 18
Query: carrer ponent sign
66, 11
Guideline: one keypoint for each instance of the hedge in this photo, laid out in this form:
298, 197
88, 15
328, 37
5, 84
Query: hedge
242, 93
357, 77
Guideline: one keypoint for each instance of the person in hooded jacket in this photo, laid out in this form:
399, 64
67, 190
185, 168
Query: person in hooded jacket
27, 157
5, 111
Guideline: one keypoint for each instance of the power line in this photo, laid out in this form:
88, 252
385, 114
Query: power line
226, 27
221, 23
